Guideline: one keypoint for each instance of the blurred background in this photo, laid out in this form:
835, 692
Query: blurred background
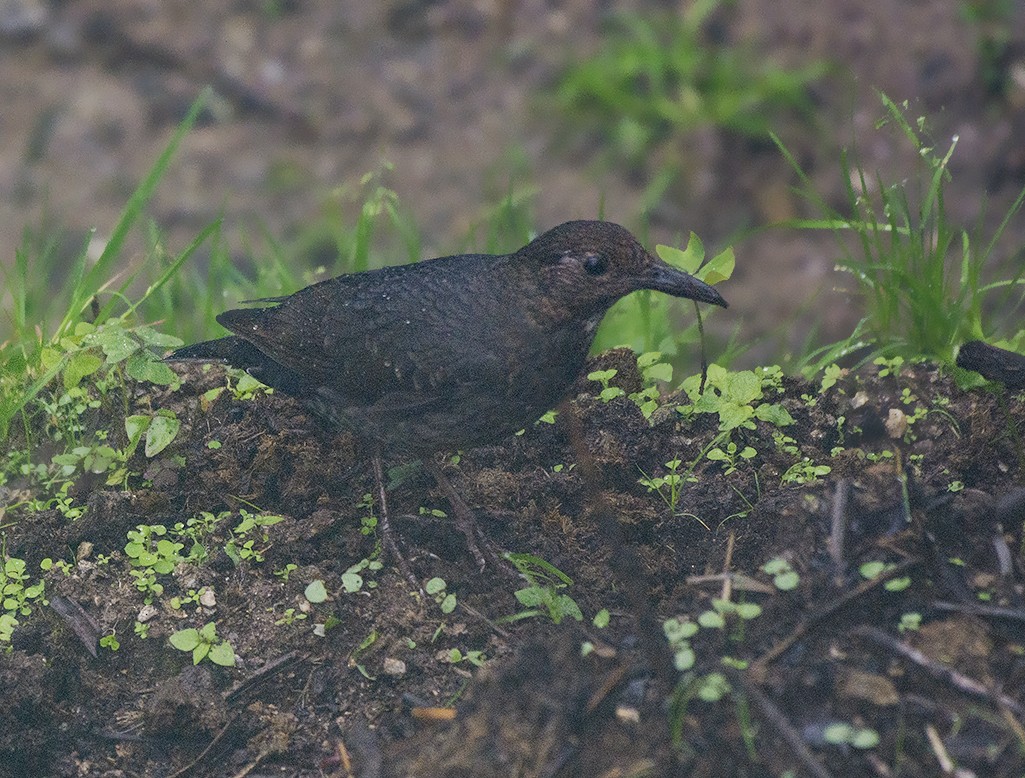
488, 119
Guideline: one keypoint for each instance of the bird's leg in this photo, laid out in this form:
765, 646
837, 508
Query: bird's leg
384, 524
466, 522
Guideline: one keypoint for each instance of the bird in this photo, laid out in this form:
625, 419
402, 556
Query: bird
444, 354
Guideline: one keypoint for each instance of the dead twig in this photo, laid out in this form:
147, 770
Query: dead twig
758, 667
960, 681
838, 528
265, 673
778, 720
978, 609
187, 769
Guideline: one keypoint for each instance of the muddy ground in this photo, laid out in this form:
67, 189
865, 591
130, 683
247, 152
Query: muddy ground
933, 668
312, 95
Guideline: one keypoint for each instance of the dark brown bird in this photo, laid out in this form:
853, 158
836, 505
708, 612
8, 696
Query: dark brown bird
445, 354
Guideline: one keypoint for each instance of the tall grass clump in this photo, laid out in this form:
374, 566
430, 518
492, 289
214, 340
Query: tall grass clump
919, 276
658, 77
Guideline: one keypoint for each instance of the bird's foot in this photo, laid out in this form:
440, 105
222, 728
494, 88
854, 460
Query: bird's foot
391, 547
482, 548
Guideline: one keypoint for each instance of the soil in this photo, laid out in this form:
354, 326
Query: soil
943, 509
310, 97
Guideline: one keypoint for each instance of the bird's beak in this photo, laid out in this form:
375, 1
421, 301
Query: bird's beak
666, 278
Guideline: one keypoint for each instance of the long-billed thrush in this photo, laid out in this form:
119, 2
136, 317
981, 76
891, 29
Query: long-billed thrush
449, 353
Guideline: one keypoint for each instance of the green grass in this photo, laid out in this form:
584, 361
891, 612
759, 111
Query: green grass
657, 77
922, 280
36, 352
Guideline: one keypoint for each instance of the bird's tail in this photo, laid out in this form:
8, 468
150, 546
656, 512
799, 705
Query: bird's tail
229, 350
242, 354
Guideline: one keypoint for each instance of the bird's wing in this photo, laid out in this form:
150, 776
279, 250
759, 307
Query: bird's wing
372, 340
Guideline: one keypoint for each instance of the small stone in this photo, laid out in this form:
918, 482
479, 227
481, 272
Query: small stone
393, 667
896, 423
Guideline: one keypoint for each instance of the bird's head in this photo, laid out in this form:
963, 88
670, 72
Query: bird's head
585, 266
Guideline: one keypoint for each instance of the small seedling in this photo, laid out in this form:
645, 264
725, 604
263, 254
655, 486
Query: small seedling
804, 472
731, 456
678, 632
446, 600
17, 595
150, 555
475, 658
353, 580
543, 596
784, 577
204, 644
110, 641
870, 570
284, 572
841, 733
603, 377
670, 485
247, 550
367, 522
712, 687
290, 616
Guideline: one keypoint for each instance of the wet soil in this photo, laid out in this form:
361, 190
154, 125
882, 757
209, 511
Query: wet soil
933, 667
311, 97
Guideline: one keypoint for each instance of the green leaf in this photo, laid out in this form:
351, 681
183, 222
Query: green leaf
151, 337
786, 581
864, 738
185, 639
870, 570
711, 620
684, 658
567, 606
351, 582
134, 427
662, 371
838, 733
749, 610
316, 592
143, 366
714, 688
199, 653
720, 268
742, 387
115, 342
774, 413
689, 259
530, 597
222, 654
733, 416
649, 358
162, 430
79, 366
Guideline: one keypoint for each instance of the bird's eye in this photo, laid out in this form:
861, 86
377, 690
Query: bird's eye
595, 265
